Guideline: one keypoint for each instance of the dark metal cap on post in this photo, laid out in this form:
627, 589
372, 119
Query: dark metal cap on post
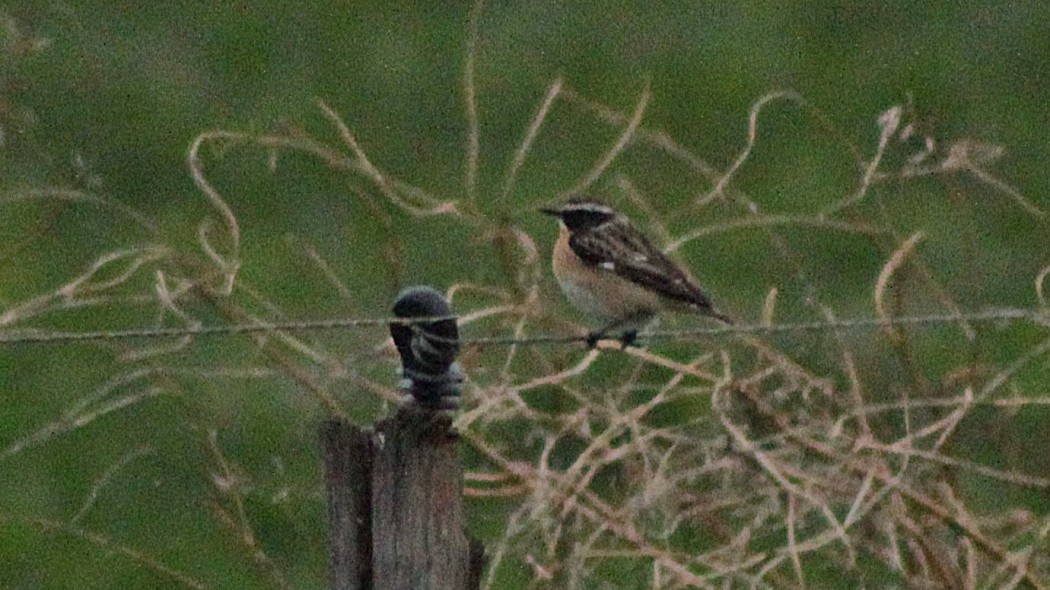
428, 347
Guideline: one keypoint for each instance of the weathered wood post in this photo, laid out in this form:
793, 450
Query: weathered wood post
395, 495
348, 486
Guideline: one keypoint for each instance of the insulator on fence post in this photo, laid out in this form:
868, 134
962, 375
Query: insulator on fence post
428, 349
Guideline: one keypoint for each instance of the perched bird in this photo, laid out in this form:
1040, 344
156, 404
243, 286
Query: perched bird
609, 270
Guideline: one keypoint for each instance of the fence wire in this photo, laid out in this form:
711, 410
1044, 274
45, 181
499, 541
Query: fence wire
17, 337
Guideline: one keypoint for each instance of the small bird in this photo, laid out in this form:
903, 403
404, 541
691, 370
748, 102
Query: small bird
610, 271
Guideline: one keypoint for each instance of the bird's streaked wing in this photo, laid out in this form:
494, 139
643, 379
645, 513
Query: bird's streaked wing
621, 249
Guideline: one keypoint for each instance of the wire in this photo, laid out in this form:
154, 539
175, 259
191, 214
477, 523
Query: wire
1005, 315
51, 337
289, 326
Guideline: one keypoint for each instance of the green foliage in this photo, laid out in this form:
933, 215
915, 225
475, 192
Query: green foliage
192, 462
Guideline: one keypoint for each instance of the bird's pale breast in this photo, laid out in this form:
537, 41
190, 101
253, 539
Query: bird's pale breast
599, 292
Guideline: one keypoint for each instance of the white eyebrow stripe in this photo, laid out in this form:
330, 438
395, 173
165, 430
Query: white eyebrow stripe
591, 207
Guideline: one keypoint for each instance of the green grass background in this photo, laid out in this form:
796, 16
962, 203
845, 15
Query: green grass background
106, 97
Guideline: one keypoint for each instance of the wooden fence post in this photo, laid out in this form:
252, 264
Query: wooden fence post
395, 494
417, 506
348, 461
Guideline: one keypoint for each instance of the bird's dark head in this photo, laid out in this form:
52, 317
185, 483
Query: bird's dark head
581, 214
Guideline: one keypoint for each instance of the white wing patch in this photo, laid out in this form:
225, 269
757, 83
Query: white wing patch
608, 266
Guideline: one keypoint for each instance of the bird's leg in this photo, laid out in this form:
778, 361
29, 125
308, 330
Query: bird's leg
593, 338
627, 338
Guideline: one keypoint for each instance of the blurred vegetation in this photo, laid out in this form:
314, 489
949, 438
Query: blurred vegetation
193, 463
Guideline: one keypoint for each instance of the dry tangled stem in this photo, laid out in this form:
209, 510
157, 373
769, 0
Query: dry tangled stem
729, 462
772, 472
737, 465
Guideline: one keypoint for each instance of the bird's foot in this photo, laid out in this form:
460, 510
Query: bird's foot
593, 338
628, 338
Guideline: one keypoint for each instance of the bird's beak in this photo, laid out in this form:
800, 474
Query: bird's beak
550, 211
